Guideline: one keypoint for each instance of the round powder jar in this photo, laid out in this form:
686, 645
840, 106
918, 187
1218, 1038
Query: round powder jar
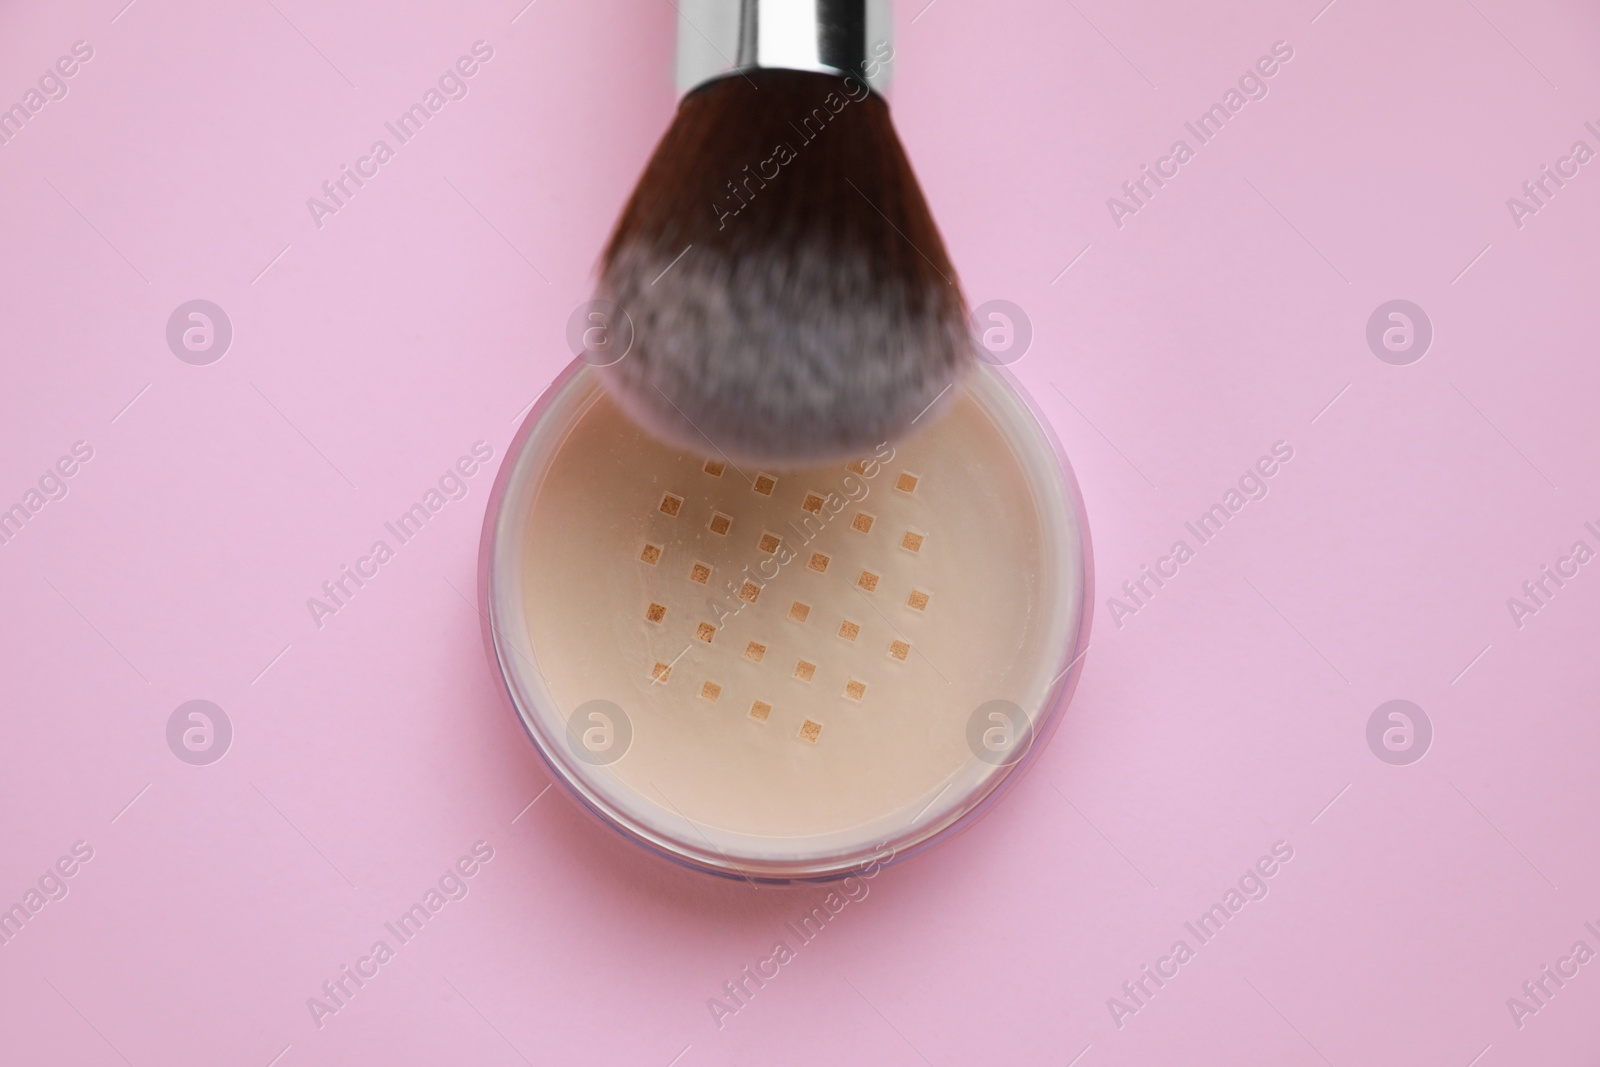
786, 675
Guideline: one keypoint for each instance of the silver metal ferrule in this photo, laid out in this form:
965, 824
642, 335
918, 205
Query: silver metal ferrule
849, 38
828, 36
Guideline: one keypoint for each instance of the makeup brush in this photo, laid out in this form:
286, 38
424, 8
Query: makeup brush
790, 296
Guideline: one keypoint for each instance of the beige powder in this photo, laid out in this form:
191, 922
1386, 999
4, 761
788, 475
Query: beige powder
817, 683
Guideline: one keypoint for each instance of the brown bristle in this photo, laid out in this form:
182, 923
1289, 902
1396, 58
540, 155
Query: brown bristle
790, 296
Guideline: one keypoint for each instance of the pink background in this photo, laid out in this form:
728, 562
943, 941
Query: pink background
1225, 716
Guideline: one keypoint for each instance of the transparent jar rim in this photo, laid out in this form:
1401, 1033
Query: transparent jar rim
844, 862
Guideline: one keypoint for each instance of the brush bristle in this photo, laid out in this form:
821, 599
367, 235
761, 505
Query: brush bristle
815, 313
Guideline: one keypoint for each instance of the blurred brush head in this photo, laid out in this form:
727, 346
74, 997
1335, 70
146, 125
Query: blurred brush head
790, 295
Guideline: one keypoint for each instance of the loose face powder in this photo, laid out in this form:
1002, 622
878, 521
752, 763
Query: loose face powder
780, 674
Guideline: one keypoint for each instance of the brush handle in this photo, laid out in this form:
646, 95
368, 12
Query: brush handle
844, 37
829, 36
